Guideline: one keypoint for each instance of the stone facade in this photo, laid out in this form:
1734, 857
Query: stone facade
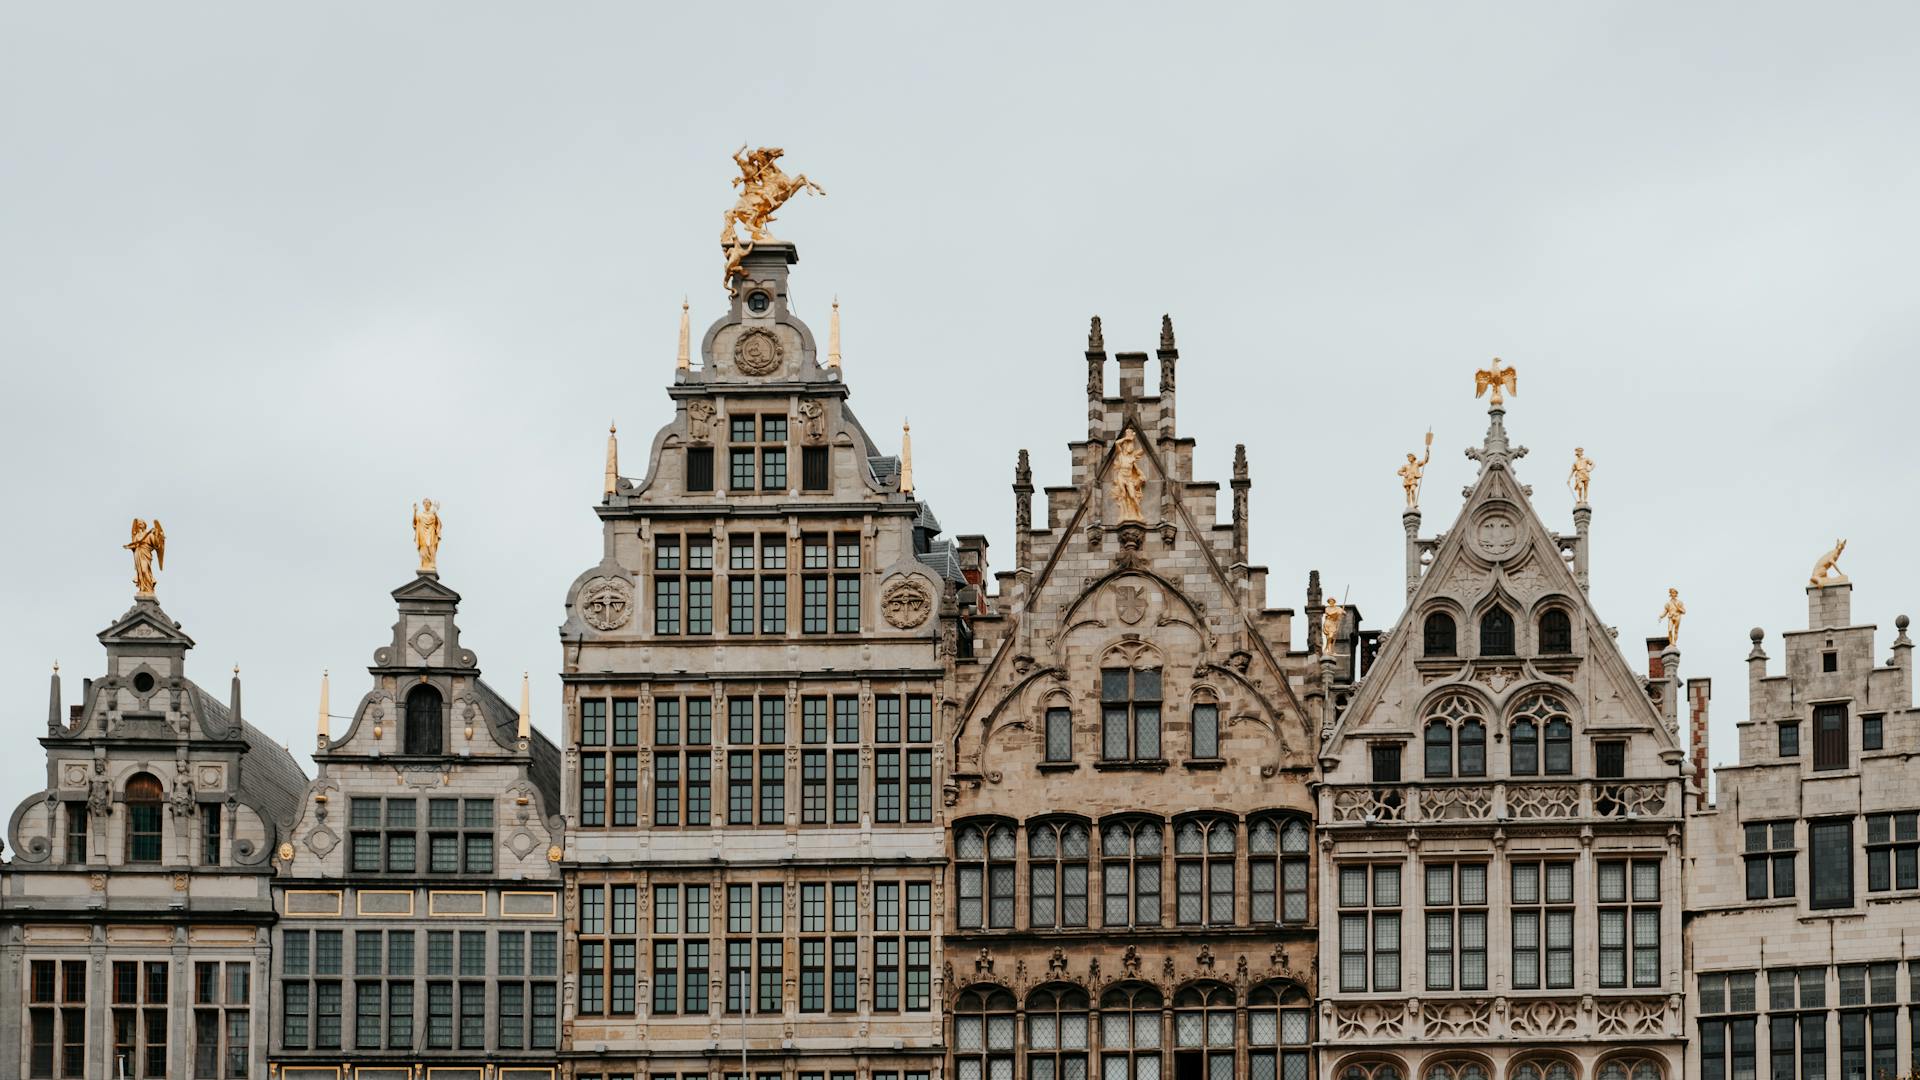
418, 891
137, 905
753, 707
1132, 867
1803, 883
1500, 821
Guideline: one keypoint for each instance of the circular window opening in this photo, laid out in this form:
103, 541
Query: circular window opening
759, 302
143, 683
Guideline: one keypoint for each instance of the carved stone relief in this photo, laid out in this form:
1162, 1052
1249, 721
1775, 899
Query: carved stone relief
606, 603
758, 352
905, 602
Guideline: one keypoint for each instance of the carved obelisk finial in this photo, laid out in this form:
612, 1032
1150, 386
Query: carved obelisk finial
54, 722
1096, 341
684, 359
833, 336
1166, 332
613, 459
906, 458
233, 705
323, 707
526, 707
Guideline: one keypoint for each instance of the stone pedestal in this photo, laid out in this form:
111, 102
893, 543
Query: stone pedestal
1830, 604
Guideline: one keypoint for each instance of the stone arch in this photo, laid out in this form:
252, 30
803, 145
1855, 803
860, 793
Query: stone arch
1370, 1066
1455, 1065
1633, 1063
1544, 1065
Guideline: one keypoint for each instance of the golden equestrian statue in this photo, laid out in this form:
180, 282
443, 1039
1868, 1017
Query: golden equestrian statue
764, 188
1829, 564
1412, 471
426, 534
1672, 614
149, 547
1495, 377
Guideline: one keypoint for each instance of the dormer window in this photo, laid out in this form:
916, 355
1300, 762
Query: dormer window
1496, 632
1556, 633
1437, 633
144, 796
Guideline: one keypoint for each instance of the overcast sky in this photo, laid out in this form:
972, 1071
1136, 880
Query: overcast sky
271, 275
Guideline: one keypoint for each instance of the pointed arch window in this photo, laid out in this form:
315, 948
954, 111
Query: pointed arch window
1496, 632
985, 854
1130, 872
1278, 870
1057, 1033
983, 1035
1455, 718
1556, 633
1438, 635
144, 798
1130, 1033
1204, 848
424, 724
1541, 718
1057, 874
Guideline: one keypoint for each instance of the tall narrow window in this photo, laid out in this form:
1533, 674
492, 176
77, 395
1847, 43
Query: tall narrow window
1369, 927
985, 876
1438, 635
1059, 735
1278, 870
1057, 874
1893, 851
1542, 925
1473, 748
1789, 738
1439, 744
77, 826
1559, 747
1830, 867
1629, 922
423, 721
1456, 902
1057, 1035
813, 468
983, 1035
1556, 632
1206, 730
1830, 737
1386, 763
1769, 858
1204, 848
1610, 759
210, 834
144, 796
1130, 714
1496, 632
1130, 872
1525, 736
699, 468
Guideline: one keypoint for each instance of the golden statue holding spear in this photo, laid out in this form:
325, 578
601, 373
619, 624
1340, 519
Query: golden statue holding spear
1412, 471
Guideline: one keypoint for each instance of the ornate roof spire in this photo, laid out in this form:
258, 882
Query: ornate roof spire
684, 359
833, 336
233, 705
1166, 333
526, 707
1495, 447
613, 459
906, 458
1096, 341
323, 707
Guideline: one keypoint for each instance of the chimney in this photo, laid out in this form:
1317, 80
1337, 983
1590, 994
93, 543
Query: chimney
1655, 669
1133, 375
1699, 692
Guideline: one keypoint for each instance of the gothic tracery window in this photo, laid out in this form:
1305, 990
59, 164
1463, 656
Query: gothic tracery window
1453, 719
1130, 1033
1130, 714
1629, 1069
1204, 849
1279, 1033
984, 873
1456, 1070
1203, 1034
1543, 1069
1277, 869
1541, 718
1057, 874
983, 1035
1372, 1070
1057, 1034
1130, 872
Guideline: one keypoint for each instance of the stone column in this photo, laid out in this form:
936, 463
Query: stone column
1582, 520
1410, 521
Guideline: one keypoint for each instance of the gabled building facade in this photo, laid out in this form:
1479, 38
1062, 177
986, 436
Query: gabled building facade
418, 890
1130, 837
754, 688
1803, 883
136, 908
1500, 820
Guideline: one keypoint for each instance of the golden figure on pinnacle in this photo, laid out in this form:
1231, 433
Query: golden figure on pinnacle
764, 188
1496, 378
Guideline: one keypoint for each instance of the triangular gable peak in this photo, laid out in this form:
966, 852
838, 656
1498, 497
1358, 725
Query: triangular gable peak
1498, 624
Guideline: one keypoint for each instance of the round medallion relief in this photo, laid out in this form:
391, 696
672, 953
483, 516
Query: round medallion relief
607, 603
1496, 534
757, 352
906, 602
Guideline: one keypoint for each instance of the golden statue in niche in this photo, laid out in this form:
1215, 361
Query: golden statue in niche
1672, 614
1495, 378
764, 188
1330, 626
1825, 572
1580, 475
1129, 481
149, 547
1412, 471
426, 534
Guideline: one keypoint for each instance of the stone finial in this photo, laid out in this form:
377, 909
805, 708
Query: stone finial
53, 700
1240, 463
1022, 474
233, 703
1900, 623
613, 459
1166, 333
1313, 587
323, 707
906, 458
683, 360
833, 335
1757, 635
1096, 342
524, 730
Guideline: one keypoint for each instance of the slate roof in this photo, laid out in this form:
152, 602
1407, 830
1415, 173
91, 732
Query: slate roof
270, 780
544, 770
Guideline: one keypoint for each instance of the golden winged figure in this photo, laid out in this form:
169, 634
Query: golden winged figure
1496, 378
149, 547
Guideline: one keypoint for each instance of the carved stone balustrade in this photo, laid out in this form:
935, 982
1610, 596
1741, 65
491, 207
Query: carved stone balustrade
1506, 801
1524, 1019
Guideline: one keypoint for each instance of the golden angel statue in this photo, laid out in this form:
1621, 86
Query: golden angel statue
1580, 475
1129, 481
1330, 626
764, 188
1412, 471
1672, 614
1827, 570
149, 547
426, 534
1495, 378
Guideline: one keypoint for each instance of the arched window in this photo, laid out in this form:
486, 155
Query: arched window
1057, 874
1438, 635
144, 797
1542, 714
1204, 847
1278, 869
1278, 1035
1456, 1070
1631, 1069
1496, 632
1543, 1069
1130, 1033
984, 854
423, 721
1556, 632
983, 1035
1526, 748
1559, 747
1473, 748
1203, 1031
1130, 873
1439, 749
1372, 1070
1057, 1033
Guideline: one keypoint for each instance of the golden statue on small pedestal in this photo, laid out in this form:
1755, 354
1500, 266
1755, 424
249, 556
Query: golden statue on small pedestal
764, 188
149, 547
1495, 378
1825, 572
1580, 475
426, 534
1330, 626
1412, 471
1672, 614
1129, 481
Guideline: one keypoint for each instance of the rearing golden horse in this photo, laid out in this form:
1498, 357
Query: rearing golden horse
764, 188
